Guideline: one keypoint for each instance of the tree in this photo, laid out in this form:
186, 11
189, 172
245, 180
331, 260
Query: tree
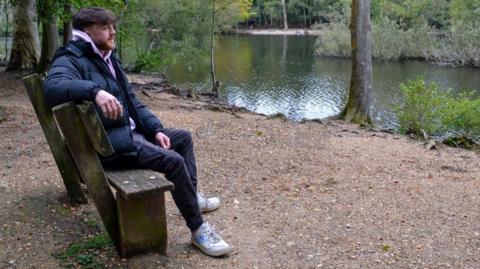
215, 82
465, 12
285, 20
50, 39
360, 94
25, 43
67, 22
5, 5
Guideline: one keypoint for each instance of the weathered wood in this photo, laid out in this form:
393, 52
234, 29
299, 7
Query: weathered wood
61, 155
143, 224
95, 130
135, 183
89, 166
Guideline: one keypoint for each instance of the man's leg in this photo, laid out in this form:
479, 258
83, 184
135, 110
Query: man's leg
173, 166
181, 142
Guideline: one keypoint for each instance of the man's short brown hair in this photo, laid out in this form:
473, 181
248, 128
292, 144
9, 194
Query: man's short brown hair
89, 16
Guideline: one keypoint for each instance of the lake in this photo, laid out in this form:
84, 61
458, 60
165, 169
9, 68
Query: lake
281, 74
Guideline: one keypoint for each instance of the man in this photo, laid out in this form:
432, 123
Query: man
87, 69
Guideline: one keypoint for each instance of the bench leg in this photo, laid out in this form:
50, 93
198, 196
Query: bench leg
143, 224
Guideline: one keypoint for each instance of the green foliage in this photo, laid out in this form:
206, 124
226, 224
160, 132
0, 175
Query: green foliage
465, 12
410, 13
422, 108
166, 31
462, 115
82, 254
391, 41
458, 46
427, 110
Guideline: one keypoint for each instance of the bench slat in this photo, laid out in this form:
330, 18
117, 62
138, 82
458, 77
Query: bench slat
61, 155
133, 183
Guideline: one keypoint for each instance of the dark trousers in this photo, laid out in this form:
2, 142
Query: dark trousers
178, 165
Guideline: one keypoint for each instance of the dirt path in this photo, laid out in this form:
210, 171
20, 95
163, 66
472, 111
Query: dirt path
294, 195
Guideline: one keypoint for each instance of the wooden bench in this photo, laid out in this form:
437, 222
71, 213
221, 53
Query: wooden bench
134, 214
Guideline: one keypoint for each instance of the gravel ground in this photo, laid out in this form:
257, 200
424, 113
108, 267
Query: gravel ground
295, 195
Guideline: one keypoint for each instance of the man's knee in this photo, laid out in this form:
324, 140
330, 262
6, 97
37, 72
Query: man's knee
175, 160
186, 135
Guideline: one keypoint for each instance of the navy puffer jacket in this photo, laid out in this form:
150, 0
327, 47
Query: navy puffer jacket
78, 73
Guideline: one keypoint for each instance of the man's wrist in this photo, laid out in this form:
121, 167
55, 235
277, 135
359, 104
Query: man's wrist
95, 92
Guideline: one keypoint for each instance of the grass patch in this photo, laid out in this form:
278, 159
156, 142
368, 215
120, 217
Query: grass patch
86, 254
92, 223
386, 248
60, 209
3, 115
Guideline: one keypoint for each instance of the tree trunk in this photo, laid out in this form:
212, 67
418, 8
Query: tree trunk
285, 21
50, 38
260, 17
265, 19
25, 43
67, 25
310, 18
215, 84
120, 36
358, 105
304, 17
7, 24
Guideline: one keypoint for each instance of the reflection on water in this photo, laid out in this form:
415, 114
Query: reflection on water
271, 74
3, 50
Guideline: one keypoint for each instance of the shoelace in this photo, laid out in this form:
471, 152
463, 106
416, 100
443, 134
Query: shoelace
202, 198
213, 237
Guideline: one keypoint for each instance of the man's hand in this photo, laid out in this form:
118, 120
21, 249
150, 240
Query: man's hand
111, 107
163, 140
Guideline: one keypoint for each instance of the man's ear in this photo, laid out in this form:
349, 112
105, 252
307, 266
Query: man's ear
88, 30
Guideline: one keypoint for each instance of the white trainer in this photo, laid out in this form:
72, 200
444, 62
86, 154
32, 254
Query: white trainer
207, 204
209, 242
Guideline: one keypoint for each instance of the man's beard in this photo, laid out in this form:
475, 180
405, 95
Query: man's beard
109, 45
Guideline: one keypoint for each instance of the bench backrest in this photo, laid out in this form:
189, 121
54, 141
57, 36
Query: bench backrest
63, 159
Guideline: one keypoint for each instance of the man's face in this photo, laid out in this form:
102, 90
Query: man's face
103, 35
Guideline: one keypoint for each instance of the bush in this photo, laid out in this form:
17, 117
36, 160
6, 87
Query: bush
422, 108
389, 41
334, 41
462, 115
458, 46
426, 110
